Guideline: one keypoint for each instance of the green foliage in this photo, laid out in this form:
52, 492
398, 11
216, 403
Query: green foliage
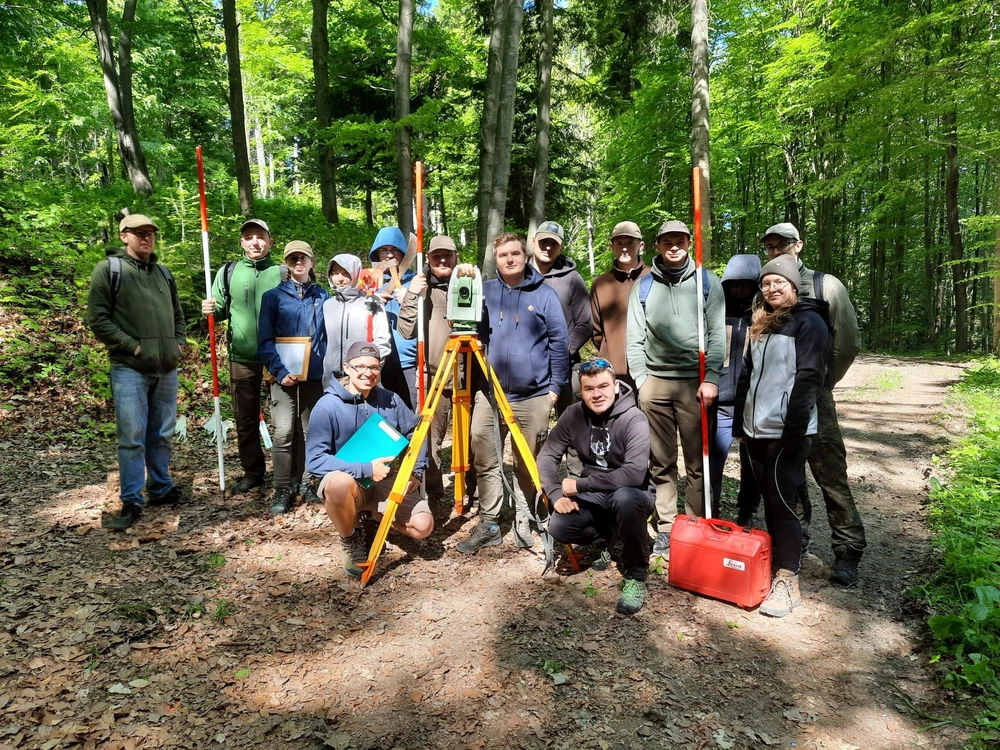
223, 609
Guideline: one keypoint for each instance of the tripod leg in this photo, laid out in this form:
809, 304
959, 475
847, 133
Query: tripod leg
461, 424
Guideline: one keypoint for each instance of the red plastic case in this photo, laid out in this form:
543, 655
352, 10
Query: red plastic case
720, 559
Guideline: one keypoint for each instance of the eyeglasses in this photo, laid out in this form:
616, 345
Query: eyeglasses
365, 368
595, 366
294, 260
143, 234
776, 285
775, 247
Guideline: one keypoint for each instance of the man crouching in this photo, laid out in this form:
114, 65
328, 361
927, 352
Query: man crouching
611, 437
351, 490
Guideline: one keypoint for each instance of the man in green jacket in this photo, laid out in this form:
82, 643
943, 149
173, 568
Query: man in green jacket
662, 351
236, 295
828, 456
133, 309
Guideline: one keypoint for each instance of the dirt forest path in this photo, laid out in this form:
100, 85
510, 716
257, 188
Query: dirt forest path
210, 625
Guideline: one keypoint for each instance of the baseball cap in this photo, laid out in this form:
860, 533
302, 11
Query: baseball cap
626, 229
134, 221
361, 349
298, 246
672, 226
442, 242
255, 223
550, 230
785, 229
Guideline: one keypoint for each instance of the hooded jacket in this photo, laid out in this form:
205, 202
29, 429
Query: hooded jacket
739, 268
525, 333
339, 414
613, 447
404, 350
437, 329
571, 289
783, 374
843, 321
663, 337
251, 278
282, 313
345, 315
609, 295
146, 312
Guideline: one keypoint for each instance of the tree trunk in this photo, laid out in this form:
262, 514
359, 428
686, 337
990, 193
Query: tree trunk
404, 160
699, 116
996, 281
505, 131
119, 90
488, 125
239, 127
324, 110
444, 214
543, 120
958, 268
258, 133
369, 206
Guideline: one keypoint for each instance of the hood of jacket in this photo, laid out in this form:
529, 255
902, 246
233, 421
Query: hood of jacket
624, 401
622, 275
562, 267
742, 268
818, 306
121, 251
387, 236
350, 263
532, 280
659, 270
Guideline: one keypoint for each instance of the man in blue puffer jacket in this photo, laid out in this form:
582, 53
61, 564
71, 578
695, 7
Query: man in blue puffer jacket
399, 373
525, 333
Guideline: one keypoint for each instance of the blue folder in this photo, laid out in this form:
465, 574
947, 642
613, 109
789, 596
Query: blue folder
376, 438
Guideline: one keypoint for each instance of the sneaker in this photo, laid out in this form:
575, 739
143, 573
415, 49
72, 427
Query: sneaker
246, 484
523, 538
661, 545
784, 595
845, 571
603, 561
744, 518
308, 494
125, 519
283, 499
354, 549
632, 597
486, 534
170, 497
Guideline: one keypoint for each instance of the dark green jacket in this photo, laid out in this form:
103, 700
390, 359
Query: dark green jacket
251, 278
144, 312
843, 321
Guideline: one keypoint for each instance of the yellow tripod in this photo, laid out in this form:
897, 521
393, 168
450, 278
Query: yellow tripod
466, 346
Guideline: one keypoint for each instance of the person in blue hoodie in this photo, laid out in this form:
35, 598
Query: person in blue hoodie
524, 331
399, 373
350, 490
293, 308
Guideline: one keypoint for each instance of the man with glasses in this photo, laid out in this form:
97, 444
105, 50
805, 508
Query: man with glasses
133, 309
828, 456
663, 359
236, 297
611, 496
355, 491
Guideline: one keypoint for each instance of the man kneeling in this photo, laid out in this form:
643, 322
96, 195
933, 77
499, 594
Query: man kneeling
352, 490
611, 437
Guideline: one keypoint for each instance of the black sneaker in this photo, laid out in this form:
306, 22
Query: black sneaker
845, 571
354, 549
246, 484
632, 597
308, 494
170, 497
283, 499
486, 534
129, 514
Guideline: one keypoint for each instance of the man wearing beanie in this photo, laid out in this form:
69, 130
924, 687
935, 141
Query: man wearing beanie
662, 350
609, 294
236, 297
828, 457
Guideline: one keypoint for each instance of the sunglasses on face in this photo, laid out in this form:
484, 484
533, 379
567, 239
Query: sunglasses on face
143, 234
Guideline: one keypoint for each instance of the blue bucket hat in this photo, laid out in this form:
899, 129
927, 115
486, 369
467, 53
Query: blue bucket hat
387, 236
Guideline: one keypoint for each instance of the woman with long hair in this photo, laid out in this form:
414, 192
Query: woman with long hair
775, 412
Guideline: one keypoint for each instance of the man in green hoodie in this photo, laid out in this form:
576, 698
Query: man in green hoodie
133, 309
662, 351
236, 296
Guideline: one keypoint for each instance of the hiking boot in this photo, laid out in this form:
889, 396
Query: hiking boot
603, 561
354, 549
308, 494
125, 519
523, 538
744, 518
784, 596
661, 545
632, 597
486, 534
845, 570
246, 484
283, 499
170, 497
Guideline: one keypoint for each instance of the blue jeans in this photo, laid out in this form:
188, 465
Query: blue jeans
145, 417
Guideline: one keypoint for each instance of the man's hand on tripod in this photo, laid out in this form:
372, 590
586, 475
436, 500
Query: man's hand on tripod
380, 468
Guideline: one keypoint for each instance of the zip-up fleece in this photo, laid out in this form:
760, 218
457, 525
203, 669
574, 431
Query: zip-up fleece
437, 329
613, 447
339, 414
783, 374
251, 278
146, 313
525, 332
739, 268
843, 321
404, 354
345, 314
663, 339
282, 313
571, 289
609, 295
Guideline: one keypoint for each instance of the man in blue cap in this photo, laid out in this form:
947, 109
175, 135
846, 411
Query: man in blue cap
399, 373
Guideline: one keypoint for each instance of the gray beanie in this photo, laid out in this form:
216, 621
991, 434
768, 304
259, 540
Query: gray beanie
785, 266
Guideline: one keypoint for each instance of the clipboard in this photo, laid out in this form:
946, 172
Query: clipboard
376, 438
294, 351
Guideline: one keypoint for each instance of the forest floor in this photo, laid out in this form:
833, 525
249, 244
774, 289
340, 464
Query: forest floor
212, 625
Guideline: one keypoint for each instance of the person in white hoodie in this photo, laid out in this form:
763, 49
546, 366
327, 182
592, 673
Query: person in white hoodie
350, 315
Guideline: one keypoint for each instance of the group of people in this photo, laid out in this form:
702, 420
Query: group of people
777, 339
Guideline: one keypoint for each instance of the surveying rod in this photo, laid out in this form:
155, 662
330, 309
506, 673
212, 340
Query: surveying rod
421, 355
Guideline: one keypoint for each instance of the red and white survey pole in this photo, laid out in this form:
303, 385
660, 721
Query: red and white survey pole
421, 356
219, 432
706, 484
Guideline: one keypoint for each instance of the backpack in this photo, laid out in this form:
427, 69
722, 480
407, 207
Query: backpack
115, 278
818, 285
646, 283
